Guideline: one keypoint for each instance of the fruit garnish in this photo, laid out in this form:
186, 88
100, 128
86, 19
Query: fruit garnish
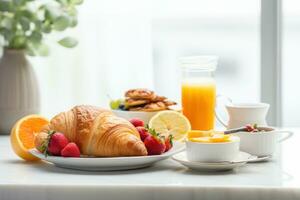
154, 143
153, 132
70, 150
123, 106
251, 128
200, 139
198, 133
220, 138
143, 132
170, 123
169, 143
115, 104
23, 133
40, 141
213, 137
55, 143
136, 122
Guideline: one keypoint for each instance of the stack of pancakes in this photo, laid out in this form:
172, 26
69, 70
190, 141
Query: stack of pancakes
146, 100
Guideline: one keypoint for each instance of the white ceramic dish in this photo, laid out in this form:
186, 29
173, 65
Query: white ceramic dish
213, 152
241, 114
108, 164
145, 116
262, 143
241, 159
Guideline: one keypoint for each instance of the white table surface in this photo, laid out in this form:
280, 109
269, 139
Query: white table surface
277, 179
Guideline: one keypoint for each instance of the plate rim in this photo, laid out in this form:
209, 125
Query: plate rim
261, 159
216, 164
180, 148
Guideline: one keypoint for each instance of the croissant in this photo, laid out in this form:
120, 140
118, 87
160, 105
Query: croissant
98, 132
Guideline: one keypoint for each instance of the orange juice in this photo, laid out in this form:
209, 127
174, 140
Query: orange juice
198, 98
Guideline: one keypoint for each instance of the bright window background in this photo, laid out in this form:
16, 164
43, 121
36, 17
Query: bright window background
291, 62
136, 43
229, 29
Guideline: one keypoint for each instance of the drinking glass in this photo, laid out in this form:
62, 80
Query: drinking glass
198, 90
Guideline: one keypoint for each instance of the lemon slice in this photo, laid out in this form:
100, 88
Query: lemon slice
170, 123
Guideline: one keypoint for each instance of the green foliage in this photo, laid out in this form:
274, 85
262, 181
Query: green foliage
24, 24
68, 42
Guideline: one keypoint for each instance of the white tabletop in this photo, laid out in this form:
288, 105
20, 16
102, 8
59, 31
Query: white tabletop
277, 179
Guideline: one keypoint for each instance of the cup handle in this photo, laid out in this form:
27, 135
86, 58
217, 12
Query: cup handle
287, 136
219, 118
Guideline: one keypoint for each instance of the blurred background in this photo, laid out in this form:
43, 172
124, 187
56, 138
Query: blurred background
137, 43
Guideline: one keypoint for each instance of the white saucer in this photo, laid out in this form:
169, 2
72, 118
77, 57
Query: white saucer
241, 159
108, 164
261, 159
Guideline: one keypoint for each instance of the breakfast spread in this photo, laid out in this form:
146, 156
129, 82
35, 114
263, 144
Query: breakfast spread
145, 125
87, 131
142, 100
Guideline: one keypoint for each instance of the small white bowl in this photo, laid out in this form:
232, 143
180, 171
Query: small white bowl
145, 116
262, 143
213, 152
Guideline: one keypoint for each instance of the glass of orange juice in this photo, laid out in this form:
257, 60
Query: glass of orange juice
198, 90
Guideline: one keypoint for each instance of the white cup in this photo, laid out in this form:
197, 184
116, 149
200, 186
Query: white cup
241, 114
213, 152
262, 143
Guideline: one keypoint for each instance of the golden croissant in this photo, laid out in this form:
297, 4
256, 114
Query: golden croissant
98, 132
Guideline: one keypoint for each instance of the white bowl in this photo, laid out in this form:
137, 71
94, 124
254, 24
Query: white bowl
213, 152
262, 143
145, 116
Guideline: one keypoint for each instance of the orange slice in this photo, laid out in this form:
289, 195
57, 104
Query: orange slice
220, 138
22, 135
200, 139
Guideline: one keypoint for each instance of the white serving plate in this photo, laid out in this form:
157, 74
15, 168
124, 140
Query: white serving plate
108, 164
241, 159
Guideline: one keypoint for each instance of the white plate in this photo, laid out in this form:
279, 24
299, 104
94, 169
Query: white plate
241, 159
108, 164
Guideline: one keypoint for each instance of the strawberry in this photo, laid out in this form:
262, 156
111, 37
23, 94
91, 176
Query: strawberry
71, 150
136, 122
249, 128
154, 143
57, 141
143, 132
169, 143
